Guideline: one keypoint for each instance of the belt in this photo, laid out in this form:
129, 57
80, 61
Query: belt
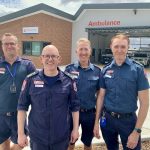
87, 110
119, 115
9, 114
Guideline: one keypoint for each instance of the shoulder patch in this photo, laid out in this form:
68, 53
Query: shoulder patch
25, 58
32, 74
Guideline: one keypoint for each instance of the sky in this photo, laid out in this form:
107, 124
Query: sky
69, 6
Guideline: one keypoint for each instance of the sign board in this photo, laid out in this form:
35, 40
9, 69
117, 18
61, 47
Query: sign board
30, 30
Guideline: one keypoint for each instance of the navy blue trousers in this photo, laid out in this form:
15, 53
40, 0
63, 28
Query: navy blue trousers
122, 127
63, 145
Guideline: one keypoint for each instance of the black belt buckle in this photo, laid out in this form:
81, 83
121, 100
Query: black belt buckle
115, 115
9, 114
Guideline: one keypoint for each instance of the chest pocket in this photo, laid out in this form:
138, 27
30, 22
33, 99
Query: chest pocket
39, 98
127, 83
93, 81
109, 81
60, 97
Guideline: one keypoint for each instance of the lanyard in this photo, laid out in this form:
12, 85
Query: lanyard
13, 74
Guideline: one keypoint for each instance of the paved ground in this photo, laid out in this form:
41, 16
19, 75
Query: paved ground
145, 134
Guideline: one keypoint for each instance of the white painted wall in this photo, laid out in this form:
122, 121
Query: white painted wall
126, 17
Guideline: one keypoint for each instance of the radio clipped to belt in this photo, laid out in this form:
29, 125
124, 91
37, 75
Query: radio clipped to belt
103, 120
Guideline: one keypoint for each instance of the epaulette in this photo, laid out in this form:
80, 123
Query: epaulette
69, 65
104, 69
136, 62
25, 58
32, 74
107, 65
68, 75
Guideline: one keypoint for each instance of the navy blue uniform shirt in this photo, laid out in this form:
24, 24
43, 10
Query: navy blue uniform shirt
22, 67
122, 84
48, 118
88, 83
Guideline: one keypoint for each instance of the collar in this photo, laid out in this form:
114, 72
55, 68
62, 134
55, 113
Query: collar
77, 65
18, 59
60, 75
127, 61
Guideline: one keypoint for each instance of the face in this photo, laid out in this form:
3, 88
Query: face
10, 46
119, 48
83, 52
50, 58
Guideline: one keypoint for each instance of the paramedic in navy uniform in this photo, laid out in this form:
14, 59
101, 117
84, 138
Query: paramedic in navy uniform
87, 77
50, 92
123, 83
13, 70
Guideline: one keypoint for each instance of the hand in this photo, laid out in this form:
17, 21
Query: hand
133, 140
22, 140
96, 131
74, 136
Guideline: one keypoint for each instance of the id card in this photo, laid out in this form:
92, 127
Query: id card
13, 88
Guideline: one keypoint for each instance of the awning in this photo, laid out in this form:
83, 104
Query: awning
137, 30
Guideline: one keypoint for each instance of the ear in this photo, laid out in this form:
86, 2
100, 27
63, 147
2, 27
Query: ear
59, 59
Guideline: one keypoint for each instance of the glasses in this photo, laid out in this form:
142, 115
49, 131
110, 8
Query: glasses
50, 56
11, 44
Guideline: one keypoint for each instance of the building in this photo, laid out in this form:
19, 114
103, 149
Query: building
41, 24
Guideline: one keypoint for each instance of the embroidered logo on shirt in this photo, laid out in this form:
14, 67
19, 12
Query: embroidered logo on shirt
39, 83
109, 73
74, 74
2, 70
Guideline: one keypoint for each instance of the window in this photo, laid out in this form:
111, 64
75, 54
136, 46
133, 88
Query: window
33, 48
140, 43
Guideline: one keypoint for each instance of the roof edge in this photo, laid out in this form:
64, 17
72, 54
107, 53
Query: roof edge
34, 9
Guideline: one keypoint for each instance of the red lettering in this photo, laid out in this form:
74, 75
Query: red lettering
90, 23
104, 23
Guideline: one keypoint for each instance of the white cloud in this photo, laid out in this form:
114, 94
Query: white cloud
69, 6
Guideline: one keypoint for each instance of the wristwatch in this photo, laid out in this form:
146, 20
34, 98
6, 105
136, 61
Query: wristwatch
138, 130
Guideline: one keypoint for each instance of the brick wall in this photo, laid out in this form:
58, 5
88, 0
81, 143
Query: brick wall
51, 29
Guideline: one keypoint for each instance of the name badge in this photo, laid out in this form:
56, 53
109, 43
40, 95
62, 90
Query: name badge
2, 70
107, 76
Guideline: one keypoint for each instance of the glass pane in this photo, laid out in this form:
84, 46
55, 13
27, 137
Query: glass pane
134, 40
27, 48
134, 47
36, 48
145, 40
